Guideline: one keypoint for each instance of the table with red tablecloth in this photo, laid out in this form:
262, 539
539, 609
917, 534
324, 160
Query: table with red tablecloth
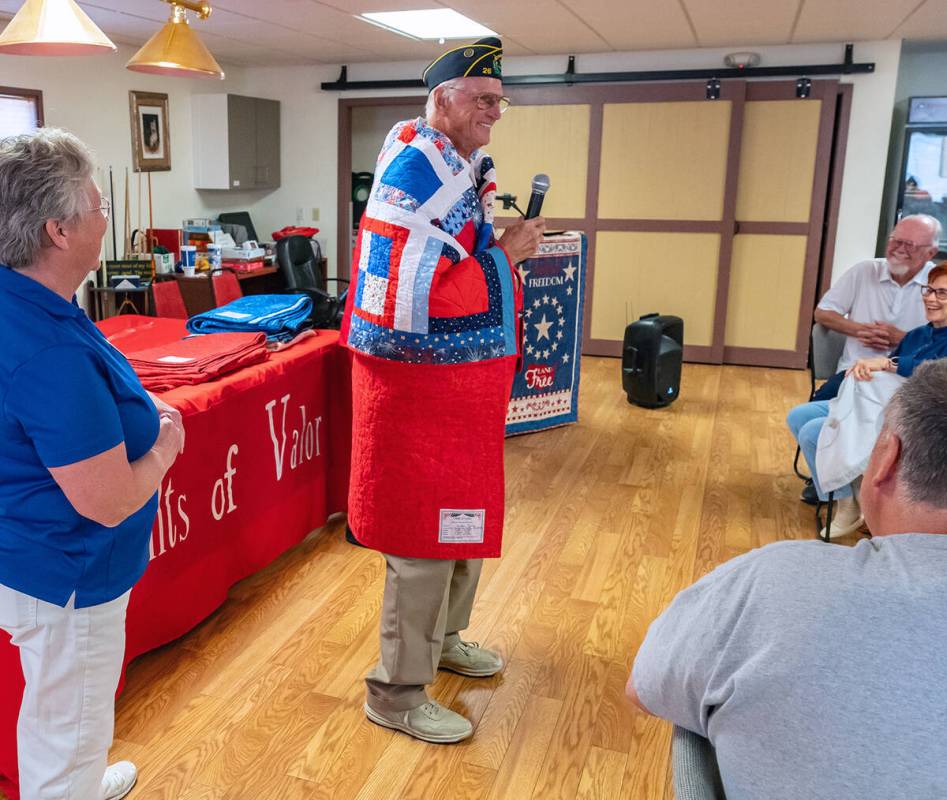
266, 461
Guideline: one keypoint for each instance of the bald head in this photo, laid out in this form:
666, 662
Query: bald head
912, 243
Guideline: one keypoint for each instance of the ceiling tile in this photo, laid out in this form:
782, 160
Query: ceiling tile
851, 20
928, 22
275, 32
149, 9
538, 26
636, 24
739, 22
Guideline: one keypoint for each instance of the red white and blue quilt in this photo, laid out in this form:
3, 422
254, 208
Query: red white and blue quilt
431, 284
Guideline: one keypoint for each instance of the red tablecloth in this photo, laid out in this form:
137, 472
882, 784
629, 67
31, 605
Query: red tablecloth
266, 460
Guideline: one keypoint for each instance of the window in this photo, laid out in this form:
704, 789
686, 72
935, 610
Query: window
21, 111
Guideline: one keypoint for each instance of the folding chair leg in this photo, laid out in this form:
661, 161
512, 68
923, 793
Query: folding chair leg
828, 518
795, 464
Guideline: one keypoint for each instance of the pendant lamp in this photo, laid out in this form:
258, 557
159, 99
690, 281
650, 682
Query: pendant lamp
175, 50
53, 28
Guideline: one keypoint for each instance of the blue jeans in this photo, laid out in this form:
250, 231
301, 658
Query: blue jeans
805, 421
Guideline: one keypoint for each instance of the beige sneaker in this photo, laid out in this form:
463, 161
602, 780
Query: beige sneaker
470, 659
119, 779
846, 520
430, 722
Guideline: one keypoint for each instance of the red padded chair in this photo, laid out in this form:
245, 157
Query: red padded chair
226, 287
168, 299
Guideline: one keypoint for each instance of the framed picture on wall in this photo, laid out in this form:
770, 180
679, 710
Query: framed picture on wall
151, 143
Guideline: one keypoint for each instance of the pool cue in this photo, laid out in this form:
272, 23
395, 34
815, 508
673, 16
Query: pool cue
128, 216
151, 228
112, 201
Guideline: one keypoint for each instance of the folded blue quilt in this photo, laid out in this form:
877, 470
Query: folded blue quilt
279, 316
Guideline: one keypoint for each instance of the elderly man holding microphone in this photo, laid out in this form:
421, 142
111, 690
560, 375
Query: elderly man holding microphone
433, 322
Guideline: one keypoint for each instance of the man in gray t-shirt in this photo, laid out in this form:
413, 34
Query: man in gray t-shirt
820, 671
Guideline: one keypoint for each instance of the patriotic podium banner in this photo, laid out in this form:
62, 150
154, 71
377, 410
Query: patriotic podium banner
546, 392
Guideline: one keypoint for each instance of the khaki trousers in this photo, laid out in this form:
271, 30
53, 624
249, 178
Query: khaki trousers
427, 601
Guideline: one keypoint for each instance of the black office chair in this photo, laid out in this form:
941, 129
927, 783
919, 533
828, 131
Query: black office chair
303, 274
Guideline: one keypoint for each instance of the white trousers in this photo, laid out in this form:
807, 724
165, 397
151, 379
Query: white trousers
72, 659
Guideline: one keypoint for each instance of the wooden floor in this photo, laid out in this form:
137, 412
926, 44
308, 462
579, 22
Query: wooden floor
606, 521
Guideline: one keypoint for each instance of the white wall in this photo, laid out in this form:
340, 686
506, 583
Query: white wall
89, 96
370, 126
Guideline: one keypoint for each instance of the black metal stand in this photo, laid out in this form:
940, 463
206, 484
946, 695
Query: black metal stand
570, 76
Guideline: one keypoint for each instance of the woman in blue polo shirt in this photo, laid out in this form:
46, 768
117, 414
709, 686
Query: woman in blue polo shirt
83, 449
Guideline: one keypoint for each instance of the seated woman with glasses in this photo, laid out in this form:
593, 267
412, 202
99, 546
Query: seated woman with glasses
925, 343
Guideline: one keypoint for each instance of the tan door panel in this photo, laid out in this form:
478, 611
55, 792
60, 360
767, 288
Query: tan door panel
664, 160
766, 273
550, 139
671, 273
777, 160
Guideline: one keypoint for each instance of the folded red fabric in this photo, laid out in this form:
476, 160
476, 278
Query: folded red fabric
196, 359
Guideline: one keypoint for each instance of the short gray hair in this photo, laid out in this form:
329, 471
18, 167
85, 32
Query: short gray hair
430, 108
42, 177
933, 222
917, 414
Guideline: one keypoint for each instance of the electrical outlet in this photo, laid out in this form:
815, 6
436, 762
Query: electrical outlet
299, 216
315, 215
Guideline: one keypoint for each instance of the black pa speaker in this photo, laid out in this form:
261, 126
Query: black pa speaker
361, 189
651, 360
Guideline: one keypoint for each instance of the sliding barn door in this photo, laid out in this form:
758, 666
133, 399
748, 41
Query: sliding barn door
785, 154
710, 210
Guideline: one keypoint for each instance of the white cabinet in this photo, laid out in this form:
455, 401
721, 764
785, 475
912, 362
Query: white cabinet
236, 142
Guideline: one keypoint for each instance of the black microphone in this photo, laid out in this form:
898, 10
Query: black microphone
540, 187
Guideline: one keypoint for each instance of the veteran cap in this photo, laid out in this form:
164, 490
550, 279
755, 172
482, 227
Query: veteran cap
478, 60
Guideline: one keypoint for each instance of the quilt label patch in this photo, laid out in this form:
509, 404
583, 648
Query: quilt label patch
461, 526
176, 360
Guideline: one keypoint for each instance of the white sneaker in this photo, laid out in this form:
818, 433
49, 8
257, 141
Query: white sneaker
846, 520
119, 780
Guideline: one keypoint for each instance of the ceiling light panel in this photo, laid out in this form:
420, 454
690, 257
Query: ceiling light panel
436, 23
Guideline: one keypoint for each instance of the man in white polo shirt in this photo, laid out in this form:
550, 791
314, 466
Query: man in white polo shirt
879, 300
876, 302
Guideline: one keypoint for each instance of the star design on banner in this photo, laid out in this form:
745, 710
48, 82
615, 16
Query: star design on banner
523, 273
543, 327
545, 299
570, 273
569, 291
559, 334
528, 313
536, 303
565, 358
